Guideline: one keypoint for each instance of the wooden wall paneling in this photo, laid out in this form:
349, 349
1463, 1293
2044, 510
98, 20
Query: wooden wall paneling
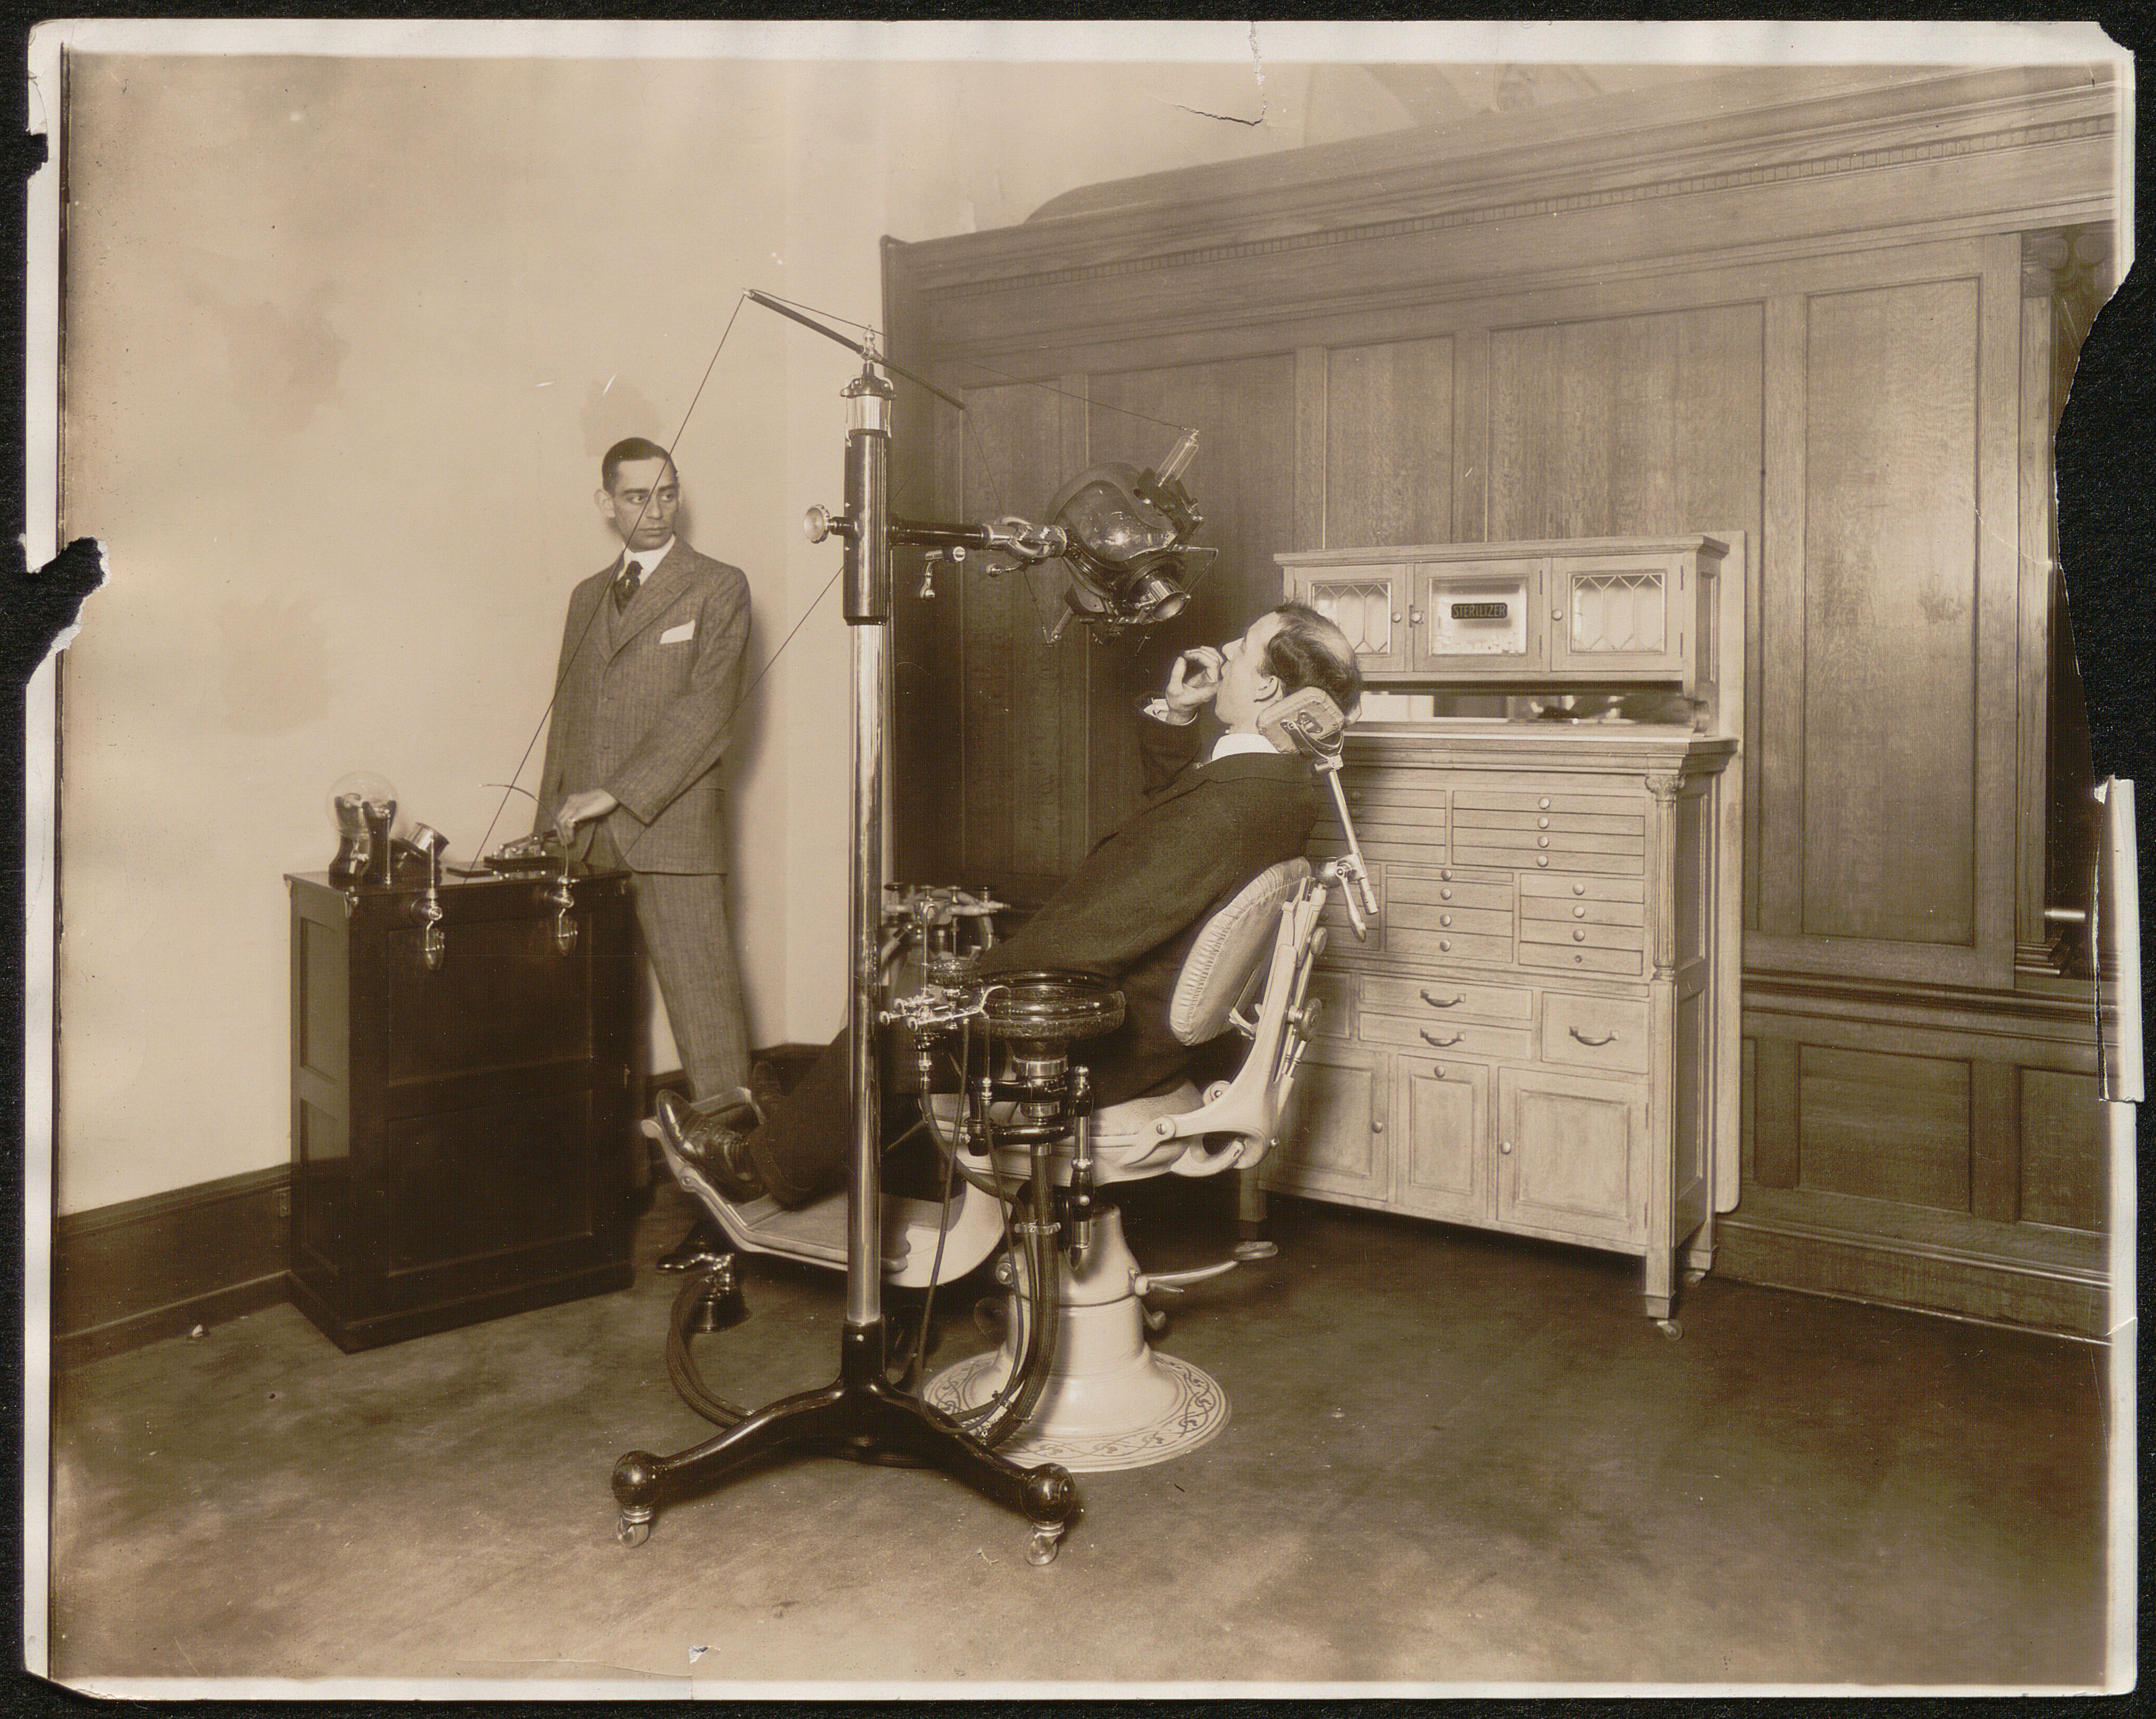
1749, 1106
1244, 481
1017, 799
1994, 1144
1389, 427
1471, 435
2034, 656
1776, 1149
1312, 370
1626, 426
2065, 1171
1999, 603
1891, 631
1773, 857
1884, 1126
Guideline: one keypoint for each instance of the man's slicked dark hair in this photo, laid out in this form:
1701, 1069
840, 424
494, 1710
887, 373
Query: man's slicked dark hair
634, 447
1307, 650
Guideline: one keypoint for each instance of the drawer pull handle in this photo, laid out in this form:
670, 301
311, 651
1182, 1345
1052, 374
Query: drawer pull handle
1441, 1044
1447, 1003
1593, 1043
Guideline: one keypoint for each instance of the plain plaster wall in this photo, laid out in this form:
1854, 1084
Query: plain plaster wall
345, 339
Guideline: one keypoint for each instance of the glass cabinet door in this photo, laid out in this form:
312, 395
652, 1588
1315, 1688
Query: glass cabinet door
1617, 614
1368, 604
1479, 618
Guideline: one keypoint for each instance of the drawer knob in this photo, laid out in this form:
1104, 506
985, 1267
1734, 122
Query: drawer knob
1579, 934
1579, 913
1444, 918
1556, 614
1444, 895
1377, 1124
1443, 945
1446, 874
1542, 841
1579, 889
1506, 1147
1441, 1044
1543, 802
1415, 615
1542, 823
1593, 1043
1541, 859
1578, 960
1397, 620
1439, 1002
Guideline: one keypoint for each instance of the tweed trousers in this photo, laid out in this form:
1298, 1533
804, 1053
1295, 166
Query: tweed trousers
683, 918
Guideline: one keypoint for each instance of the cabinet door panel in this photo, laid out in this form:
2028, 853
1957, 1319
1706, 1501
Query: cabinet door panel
1368, 604
1444, 1124
1616, 614
1572, 1155
1332, 1138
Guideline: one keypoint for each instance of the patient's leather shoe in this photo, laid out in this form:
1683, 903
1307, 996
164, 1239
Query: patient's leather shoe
706, 1148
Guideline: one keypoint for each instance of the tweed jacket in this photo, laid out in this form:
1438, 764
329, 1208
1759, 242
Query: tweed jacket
645, 702
1131, 912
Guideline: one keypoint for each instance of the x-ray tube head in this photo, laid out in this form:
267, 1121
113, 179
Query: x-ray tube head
1129, 552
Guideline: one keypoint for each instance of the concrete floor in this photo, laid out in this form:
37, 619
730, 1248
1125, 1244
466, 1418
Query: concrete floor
1454, 1458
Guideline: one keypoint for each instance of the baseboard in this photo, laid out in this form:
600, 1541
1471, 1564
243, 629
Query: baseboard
145, 1270
2003, 1274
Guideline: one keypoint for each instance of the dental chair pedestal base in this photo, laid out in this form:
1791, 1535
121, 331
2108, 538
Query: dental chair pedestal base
1111, 1402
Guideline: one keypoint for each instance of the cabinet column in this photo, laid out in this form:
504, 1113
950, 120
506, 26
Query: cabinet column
1660, 1192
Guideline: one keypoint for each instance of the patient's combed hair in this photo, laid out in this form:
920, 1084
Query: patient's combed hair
1307, 650
634, 447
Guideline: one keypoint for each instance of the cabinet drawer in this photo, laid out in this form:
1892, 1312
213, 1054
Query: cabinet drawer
1447, 945
1575, 959
1583, 888
1565, 932
1605, 823
1582, 909
1524, 841
1529, 801
1448, 999
1460, 1039
1414, 916
1434, 889
1595, 1032
1555, 860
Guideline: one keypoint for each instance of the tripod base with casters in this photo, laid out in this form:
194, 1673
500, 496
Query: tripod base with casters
861, 1417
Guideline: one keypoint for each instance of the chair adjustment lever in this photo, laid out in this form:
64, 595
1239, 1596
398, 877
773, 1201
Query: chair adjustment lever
1171, 1283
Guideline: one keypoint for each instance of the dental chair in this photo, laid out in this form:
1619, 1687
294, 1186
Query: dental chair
1086, 1390
1111, 1401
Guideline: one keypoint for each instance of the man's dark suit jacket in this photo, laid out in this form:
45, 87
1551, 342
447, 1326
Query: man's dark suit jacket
1129, 913
642, 704
1132, 911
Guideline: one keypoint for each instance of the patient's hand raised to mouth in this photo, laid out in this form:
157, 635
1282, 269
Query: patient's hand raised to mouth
1194, 679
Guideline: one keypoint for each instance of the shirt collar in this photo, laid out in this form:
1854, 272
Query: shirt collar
646, 559
1227, 745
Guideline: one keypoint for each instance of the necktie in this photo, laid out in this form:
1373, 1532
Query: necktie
624, 583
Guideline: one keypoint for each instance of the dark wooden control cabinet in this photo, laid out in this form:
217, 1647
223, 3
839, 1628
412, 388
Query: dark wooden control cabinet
460, 1133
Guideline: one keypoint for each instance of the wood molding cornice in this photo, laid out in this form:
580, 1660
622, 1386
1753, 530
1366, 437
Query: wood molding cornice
1401, 185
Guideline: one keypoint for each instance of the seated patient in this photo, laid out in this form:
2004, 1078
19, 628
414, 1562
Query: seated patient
1128, 915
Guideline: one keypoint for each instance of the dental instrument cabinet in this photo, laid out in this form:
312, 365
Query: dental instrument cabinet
1540, 1035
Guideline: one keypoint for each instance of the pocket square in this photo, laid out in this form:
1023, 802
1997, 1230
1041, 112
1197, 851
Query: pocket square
676, 635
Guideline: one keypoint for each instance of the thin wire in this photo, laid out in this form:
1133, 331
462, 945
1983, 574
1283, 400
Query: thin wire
569, 662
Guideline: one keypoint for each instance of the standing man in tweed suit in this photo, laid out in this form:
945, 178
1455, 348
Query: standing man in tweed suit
649, 679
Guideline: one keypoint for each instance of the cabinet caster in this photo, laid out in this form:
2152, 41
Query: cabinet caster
1045, 1543
1669, 1328
633, 1530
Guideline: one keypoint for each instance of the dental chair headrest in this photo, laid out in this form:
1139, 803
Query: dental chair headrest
1229, 951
